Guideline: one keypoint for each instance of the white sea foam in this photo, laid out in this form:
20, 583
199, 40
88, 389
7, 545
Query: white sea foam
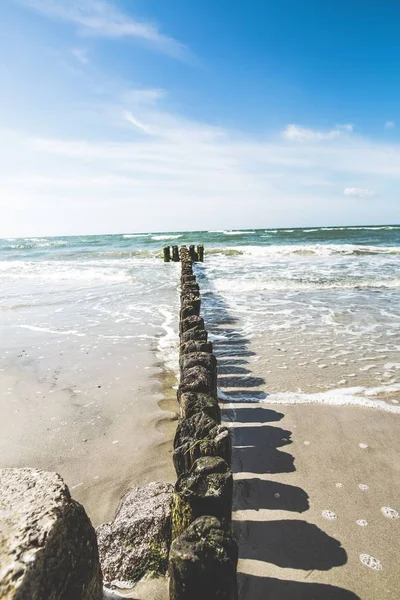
328, 514
237, 232
339, 397
371, 562
168, 349
56, 331
136, 235
362, 523
287, 250
160, 238
389, 513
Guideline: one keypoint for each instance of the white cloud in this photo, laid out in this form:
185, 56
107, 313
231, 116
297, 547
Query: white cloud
136, 123
302, 134
81, 55
360, 192
101, 18
143, 96
152, 164
389, 125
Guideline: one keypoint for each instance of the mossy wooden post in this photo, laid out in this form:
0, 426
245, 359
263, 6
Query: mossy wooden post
203, 563
167, 254
175, 254
200, 253
206, 490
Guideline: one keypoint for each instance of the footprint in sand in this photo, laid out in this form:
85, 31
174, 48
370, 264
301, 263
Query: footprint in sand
389, 513
371, 562
328, 514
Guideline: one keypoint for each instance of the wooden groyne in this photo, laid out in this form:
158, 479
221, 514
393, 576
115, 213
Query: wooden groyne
195, 255
68, 561
203, 555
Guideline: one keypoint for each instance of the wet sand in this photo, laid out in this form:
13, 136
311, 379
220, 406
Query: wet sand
103, 418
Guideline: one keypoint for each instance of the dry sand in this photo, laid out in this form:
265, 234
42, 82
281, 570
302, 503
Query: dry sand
310, 483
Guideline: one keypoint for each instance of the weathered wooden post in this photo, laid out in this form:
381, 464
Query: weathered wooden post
203, 563
192, 253
175, 254
167, 254
206, 490
200, 253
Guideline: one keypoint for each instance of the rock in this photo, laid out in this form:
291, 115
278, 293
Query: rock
191, 403
206, 490
136, 543
196, 379
203, 563
193, 346
48, 544
199, 436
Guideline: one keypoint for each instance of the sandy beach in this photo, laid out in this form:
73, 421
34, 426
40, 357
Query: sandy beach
308, 384
311, 483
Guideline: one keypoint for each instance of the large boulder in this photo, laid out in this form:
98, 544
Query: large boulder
48, 547
136, 543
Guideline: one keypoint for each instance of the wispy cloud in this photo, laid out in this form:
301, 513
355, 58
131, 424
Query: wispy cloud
136, 123
81, 55
389, 125
360, 192
102, 18
295, 133
154, 163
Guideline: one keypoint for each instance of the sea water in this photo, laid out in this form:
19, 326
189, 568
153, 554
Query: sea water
309, 315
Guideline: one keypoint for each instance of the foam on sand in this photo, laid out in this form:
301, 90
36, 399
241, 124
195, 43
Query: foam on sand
371, 562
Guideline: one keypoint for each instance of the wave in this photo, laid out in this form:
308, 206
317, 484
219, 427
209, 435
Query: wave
237, 232
159, 238
306, 250
135, 235
336, 397
257, 285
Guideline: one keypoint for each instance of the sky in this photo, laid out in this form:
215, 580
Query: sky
146, 115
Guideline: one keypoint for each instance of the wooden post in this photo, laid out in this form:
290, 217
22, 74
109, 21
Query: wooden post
192, 253
175, 254
200, 253
167, 254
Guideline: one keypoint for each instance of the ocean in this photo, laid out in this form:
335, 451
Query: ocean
314, 312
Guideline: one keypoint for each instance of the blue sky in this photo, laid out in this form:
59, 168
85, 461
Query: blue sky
138, 115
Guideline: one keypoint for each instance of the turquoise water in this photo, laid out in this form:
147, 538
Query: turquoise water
357, 240
333, 292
